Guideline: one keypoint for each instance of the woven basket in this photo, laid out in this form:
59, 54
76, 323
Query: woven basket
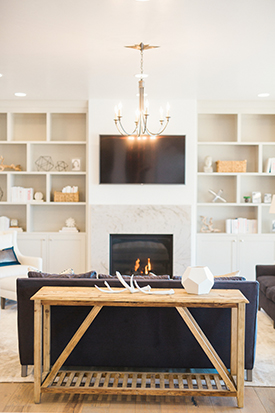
63, 197
231, 166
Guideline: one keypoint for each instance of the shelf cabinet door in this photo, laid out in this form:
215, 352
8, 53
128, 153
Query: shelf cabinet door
66, 251
58, 251
34, 245
225, 254
218, 253
253, 251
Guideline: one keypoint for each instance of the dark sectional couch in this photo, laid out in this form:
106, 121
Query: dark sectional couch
265, 275
122, 337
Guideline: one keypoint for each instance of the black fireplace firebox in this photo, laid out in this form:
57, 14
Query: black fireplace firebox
141, 254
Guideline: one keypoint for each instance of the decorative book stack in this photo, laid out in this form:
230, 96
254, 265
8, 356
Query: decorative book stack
270, 166
241, 226
19, 194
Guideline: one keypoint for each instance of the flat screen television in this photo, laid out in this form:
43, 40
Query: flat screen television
145, 161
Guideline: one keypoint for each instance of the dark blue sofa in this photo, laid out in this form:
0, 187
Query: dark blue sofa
265, 275
122, 337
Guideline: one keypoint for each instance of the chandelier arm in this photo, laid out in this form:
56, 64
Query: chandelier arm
161, 130
121, 129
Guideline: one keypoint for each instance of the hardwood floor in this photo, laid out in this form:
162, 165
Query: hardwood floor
18, 397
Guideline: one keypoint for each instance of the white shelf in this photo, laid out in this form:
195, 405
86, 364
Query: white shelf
231, 204
235, 136
24, 138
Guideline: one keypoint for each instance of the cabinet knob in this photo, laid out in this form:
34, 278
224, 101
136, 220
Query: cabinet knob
241, 240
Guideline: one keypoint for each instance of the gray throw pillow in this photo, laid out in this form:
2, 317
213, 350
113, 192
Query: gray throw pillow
136, 277
35, 274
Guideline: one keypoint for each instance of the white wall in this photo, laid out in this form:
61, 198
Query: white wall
183, 122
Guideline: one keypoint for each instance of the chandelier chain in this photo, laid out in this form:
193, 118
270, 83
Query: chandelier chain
141, 61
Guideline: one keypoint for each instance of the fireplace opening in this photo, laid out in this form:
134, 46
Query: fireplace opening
141, 254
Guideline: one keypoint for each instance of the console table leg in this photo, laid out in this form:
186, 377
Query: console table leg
240, 354
233, 356
37, 350
46, 337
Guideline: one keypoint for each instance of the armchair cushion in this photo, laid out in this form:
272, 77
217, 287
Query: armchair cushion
8, 257
12, 270
266, 282
270, 293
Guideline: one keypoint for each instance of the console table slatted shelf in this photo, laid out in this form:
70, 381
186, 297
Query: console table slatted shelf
138, 383
49, 379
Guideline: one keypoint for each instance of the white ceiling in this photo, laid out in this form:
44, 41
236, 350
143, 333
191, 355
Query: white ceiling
74, 49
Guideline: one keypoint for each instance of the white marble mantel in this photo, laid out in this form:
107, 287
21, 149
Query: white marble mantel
140, 219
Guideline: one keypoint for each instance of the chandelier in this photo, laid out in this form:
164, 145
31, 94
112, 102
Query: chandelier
141, 130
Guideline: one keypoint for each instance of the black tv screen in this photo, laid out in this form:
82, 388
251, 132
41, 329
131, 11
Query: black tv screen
146, 161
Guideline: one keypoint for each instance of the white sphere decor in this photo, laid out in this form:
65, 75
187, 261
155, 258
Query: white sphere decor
197, 280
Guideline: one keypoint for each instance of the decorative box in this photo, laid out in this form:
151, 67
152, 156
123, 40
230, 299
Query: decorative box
66, 197
231, 166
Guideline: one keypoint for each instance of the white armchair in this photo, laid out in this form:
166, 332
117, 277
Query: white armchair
9, 273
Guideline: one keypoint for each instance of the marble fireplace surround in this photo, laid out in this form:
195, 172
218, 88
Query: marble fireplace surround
140, 219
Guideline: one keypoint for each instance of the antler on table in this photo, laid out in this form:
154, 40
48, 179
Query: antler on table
131, 288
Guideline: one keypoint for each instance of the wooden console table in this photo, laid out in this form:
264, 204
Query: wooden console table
224, 383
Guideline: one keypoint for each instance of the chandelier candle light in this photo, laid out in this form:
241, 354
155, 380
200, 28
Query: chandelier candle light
141, 130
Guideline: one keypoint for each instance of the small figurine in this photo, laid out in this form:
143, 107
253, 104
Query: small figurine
70, 222
70, 226
11, 166
208, 164
38, 196
208, 227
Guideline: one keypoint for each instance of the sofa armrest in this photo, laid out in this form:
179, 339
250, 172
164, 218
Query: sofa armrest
265, 270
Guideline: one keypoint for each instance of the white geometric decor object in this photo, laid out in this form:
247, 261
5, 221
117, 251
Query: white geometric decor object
197, 280
217, 195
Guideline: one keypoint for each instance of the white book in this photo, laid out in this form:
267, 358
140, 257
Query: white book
15, 194
252, 226
29, 194
272, 166
242, 225
235, 226
21, 194
267, 165
68, 229
228, 226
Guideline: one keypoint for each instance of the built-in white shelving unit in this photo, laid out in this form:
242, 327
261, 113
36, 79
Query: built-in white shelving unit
25, 136
236, 137
246, 132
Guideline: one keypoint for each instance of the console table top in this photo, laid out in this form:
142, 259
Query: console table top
92, 296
